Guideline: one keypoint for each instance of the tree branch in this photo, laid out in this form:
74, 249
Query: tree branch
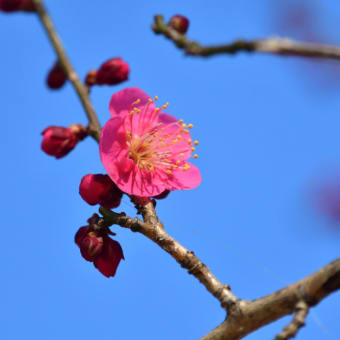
94, 125
297, 322
258, 313
153, 229
279, 46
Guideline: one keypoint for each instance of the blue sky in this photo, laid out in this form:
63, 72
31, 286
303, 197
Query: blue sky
268, 129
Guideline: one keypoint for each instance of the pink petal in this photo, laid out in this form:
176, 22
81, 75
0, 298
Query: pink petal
121, 101
180, 180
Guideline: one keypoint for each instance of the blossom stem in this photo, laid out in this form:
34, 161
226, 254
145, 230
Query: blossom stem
94, 125
186, 258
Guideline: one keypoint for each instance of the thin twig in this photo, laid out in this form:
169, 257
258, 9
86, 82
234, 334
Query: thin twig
186, 258
94, 125
278, 46
297, 322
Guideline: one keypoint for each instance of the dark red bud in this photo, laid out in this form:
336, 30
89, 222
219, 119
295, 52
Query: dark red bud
16, 5
80, 234
56, 78
179, 23
91, 246
108, 261
58, 141
99, 189
112, 72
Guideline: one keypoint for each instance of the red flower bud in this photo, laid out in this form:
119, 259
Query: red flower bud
58, 141
16, 5
179, 23
113, 71
99, 189
56, 78
109, 259
104, 252
91, 246
80, 234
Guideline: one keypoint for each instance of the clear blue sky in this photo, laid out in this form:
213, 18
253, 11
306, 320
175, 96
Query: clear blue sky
268, 128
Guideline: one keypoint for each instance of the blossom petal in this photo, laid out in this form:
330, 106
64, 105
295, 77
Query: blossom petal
181, 180
108, 261
121, 101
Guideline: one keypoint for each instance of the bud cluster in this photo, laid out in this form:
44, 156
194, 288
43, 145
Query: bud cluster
96, 246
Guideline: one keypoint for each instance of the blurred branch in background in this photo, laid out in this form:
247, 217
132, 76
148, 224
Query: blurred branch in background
279, 46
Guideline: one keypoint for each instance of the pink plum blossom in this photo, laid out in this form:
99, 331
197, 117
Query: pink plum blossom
144, 150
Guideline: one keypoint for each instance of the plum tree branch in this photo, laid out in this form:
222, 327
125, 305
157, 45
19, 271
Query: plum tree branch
278, 46
255, 314
153, 229
94, 125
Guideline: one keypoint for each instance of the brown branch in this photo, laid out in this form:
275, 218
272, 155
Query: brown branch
258, 313
297, 322
279, 46
153, 229
94, 125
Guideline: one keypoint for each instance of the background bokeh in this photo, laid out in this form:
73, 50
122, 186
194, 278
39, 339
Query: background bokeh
268, 128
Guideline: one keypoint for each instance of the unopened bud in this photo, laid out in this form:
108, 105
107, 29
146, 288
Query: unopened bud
91, 246
179, 23
16, 5
56, 78
112, 72
58, 141
99, 189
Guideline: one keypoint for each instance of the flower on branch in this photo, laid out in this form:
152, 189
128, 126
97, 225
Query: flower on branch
144, 150
58, 141
56, 77
99, 189
99, 248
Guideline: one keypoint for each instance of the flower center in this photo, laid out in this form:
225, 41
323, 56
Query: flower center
160, 146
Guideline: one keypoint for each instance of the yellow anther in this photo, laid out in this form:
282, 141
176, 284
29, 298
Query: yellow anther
150, 100
179, 136
186, 131
193, 149
157, 109
180, 121
169, 172
190, 126
165, 160
165, 106
184, 125
196, 142
181, 154
189, 141
137, 101
195, 156
156, 97
186, 167
178, 162
172, 166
